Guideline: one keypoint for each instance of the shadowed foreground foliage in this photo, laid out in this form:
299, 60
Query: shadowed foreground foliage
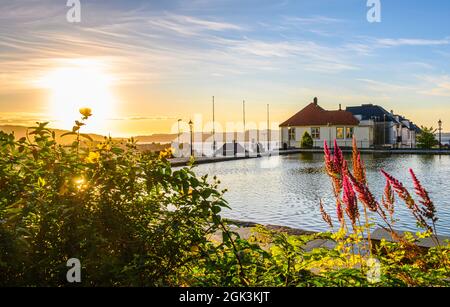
134, 221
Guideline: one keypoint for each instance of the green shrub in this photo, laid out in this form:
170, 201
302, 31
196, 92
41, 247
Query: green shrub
426, 138
128, 217
307, 141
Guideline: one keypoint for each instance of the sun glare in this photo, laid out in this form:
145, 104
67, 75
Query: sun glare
77, 84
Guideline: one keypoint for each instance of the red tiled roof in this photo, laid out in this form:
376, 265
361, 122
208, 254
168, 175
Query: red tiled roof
314, 115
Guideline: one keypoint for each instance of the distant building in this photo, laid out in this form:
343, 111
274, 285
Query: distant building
407, 133
324, 125
445, 138
371, 125
387, 128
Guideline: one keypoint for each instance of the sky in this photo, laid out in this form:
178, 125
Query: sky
141, 65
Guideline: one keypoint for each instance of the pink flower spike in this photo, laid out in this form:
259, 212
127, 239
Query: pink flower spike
325, 216
429, 209
344, 167
338, 157
327, 151
388, 198
397, 185
350, 201
364, 194
339, 212
403, 194
329, 165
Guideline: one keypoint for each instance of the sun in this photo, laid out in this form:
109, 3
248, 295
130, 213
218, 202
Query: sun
77, 84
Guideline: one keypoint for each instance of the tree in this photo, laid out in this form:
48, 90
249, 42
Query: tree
426, 139
307, 141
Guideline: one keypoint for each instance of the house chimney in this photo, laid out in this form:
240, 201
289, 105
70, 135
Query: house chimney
315, 100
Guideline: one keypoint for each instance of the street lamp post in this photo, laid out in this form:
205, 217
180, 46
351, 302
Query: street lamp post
179, 132
440, 134
268, 129
214, 125
245, 135
289, 137
191, 124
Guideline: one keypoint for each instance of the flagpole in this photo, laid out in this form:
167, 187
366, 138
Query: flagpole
214, 128
268, 129
245, 136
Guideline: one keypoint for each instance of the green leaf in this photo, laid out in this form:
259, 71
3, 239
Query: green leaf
68, 133
86, 136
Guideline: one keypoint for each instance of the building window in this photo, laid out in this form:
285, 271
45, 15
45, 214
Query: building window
339, 133
349, 132
291, 134
315, 133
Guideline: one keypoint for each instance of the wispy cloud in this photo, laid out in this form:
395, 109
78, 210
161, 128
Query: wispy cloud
308, 54
427, 85
313, 20
369, 46
436, 85
189, 25
383, 87
397, 42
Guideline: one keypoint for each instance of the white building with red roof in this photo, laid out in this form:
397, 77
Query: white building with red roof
324, 125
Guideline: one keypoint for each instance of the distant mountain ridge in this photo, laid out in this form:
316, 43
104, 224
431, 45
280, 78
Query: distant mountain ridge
21, 131
156, 138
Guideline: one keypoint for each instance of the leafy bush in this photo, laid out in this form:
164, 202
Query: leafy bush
128, 217
307, 141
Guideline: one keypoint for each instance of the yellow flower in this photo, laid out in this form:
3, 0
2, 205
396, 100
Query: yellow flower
86, 112
93, 157
104, 146
166, 154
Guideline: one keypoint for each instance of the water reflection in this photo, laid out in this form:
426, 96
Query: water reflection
307, 157
286, 190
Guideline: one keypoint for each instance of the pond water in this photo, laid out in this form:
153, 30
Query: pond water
285, 190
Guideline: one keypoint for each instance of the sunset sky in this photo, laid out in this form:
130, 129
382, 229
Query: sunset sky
141, 65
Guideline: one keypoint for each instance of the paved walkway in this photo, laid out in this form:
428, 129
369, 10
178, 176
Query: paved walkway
203, 160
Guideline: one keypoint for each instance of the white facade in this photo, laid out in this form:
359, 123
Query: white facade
390, 134
341, 133
407, 135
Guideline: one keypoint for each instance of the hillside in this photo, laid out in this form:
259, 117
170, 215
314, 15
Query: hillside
21, 131
148, 140
156, 138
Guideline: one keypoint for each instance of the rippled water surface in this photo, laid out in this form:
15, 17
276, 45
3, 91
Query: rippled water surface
285, 190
